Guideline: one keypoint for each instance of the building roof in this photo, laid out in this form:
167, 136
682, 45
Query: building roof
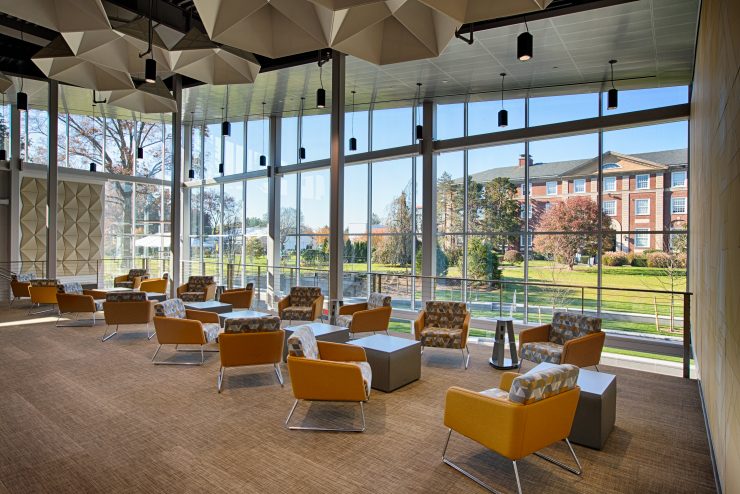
668, 158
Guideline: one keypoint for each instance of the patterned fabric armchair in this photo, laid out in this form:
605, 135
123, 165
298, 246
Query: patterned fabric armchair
19, 284
324, 371
239, 298
373, 315
444, 325
251, 341
43, 292
176, 325
531, 412
569, 339
72, 299
131, 280
305, 303
197, 289
127, 307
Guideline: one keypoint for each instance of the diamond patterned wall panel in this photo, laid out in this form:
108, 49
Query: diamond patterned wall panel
33, 220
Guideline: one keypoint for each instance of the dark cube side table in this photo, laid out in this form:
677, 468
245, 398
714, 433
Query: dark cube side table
395, 361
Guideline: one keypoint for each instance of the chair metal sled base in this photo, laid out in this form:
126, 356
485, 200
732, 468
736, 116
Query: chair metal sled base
107, 336
220, 379
466, 359
325, 429
163, 362
478, 481
78, 323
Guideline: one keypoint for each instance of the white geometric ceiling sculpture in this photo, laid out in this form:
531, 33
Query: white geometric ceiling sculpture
343, 4
147, 98
5, 83
57, 61
464, 11
392, 31
59, 15
273, 28
198, 57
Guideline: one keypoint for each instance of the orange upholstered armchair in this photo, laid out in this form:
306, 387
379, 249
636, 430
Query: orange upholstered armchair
323, 371
305, 303
176, 325
131, 280
444, 325
73, 300
569, 339
126, 307
19, 285
43, 292
197, 289
373, 315
251, 341
531, 412
155, 285
239, 298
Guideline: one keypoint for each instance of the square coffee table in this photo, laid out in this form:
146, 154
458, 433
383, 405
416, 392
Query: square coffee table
395, 361
240, 314
322, 332
597, 407
209, 306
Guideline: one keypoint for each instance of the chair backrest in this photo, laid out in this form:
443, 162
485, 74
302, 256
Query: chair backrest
170, 308
566, 326
165, 276
252, 324
72, 287
442, 314
302, 343
45, 282
199, 283
125, 296
537, 386
134, 273
250, 286
375, 300
303, 296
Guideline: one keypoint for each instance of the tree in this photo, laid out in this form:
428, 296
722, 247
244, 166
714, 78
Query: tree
500, 208
288, 224
578, 215
442, 262
482, 260
254, 248
396, 249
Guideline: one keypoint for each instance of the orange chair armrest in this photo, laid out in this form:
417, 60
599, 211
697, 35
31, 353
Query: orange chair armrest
341, 352
584, 351
466, 330
182, 289
211, 291
506, 379
75, 302
376, 319
123, 277
325, 381
540, 333
283, 304
348, 309
419, 324
201, 315
171, 330
318, 307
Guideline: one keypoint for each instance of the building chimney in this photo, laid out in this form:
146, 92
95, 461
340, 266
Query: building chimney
523, 160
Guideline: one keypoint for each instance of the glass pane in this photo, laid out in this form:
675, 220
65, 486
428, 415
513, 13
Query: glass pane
288, 211
148, 213
118, 219
232, 222
554, 109
5, 128
315, 138
212, 214
197, 151
450, 120
391, 196
314, 251
61, 140
212, 149
643, 99
195, 208
483, 115
450, 192
392, 127
168, 152
315, 202
255, 231
120, 146
258, 135
150, 138
355, 199
85, 141
356, 124
234, 150
392, 253
289, 140
38, 137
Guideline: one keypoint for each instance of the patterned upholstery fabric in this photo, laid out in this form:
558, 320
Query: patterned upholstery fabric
449, 315
497, 393
536, 386
367, 375
441, 337
135, 273
70, 287
199, 283
376, 300
566, 326
123, 284
211, 330
45, 282
303, 296
297, 313
302, 343
170, 308
252, 324
345, 320
193, 296
542, 351
22, 277
125, 296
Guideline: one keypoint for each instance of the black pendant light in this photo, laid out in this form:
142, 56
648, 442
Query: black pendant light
352, 140
150, 65
3, 156
191, 172
93, 166
21, 98
225, 124
221, 168
612, 97
140, 148
524, 44
263, 158
419, 131
301, 149
321, 92
225, 128
503, 115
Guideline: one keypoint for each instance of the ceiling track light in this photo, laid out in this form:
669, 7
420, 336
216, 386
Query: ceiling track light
612, 97
503, 115
263, 158
150, 65
352, 140
525, 44
419, 131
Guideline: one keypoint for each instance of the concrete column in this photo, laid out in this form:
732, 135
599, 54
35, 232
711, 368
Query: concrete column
52, 182
429, 204
273, 233
176, 204
336, 210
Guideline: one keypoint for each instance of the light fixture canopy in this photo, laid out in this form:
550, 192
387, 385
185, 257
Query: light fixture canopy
525, 44
612, 97
21, 100
503, 115
150, 70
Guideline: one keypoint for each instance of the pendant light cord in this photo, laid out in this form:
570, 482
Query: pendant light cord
353, 113
611, 64
263, 126
526, 26
503, 75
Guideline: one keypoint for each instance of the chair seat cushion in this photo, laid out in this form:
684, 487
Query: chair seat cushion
297, 313
193, 297
211, 329
496, 393
123, 284
441, 337
344, 320
367, 375
542, 351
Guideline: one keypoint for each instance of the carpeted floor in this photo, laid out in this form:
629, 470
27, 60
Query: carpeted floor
78, 415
